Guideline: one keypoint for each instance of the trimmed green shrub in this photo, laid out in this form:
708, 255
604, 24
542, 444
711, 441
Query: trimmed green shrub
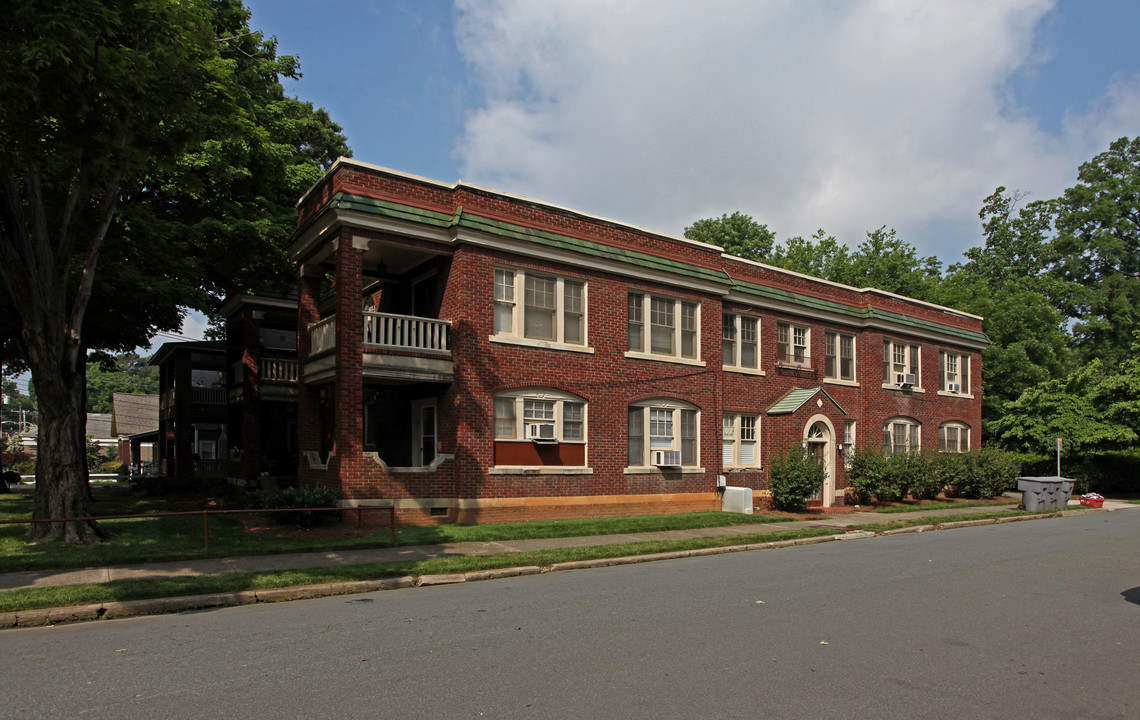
793, 478
866, 473
303, 497
901, 470
986, 473
946, 471
929, 474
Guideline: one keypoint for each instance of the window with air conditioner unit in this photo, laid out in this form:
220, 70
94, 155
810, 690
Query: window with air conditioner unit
540, 432
540, 415
954, 370
663, 432
901, 366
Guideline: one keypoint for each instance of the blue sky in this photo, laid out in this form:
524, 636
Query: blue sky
841, 115
845, 116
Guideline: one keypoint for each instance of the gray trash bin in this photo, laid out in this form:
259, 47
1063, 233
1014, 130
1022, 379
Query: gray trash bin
1066, 492
1045, 494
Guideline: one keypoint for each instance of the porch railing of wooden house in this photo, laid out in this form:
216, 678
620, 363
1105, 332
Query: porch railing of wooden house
278, 370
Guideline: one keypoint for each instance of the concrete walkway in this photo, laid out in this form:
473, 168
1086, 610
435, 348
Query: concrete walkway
293, 561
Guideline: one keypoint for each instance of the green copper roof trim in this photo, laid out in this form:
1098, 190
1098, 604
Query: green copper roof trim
461, 218
389, 209
587, 247
865, 313
788, 296
969, 335
465, 219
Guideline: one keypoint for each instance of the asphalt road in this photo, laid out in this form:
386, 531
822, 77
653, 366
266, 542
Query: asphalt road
1024, 620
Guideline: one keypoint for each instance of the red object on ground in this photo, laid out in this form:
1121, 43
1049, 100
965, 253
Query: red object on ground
1093, 502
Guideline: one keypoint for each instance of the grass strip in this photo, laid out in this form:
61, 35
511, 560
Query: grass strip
68, 595
949, 504
161, 539
939, 519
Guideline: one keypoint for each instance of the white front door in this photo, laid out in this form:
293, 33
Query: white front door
820, 442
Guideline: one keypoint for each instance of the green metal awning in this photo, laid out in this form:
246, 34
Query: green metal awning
795, 399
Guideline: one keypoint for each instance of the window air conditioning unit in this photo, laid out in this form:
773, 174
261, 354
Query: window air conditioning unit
667, 458
954, 388
904, 379
540, 432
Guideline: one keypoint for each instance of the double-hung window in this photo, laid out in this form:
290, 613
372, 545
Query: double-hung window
901, 365
954, 437
740, 440
664, 327
740, 341
839, 356
663, 433
902, 435
792, 344
954, 369
552, 308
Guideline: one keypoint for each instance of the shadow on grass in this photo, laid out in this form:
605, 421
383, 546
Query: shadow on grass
151, 588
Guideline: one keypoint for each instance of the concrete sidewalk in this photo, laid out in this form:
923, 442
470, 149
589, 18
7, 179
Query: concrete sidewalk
293, 561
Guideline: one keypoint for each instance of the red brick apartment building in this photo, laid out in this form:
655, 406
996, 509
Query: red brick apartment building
469, 355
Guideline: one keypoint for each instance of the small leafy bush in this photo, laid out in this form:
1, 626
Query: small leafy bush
303, 497
793, 478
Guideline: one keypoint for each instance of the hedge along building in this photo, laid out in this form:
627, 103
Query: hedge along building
470, 355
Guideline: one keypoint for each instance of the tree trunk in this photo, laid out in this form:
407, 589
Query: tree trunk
61, 460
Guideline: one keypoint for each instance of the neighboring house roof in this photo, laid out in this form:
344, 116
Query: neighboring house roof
133, 414
168, 349
796, 398
99, 426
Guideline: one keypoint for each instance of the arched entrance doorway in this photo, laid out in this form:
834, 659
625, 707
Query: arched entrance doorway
819, 441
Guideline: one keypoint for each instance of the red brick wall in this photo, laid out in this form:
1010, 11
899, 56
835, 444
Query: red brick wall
606, 379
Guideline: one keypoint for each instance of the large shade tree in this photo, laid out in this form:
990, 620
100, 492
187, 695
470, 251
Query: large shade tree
148, 160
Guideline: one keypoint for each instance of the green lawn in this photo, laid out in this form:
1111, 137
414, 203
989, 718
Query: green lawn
181, 538
41, 597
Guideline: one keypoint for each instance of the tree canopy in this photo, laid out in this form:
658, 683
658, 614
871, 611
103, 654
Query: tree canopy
737, 233
149, 160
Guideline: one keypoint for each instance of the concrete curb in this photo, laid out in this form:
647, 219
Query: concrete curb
133, 608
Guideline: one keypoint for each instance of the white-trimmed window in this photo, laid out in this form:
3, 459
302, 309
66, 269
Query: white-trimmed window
664, 326
901, 366
793, 343
848, 444
552, 308
663, 426
954, 437
954, 371
540, 414
740, 440
902, 434
740, 341
839, 356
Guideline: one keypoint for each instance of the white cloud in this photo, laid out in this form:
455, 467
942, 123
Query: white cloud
811, 114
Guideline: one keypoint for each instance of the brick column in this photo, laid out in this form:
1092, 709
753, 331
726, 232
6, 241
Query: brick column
349, 436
